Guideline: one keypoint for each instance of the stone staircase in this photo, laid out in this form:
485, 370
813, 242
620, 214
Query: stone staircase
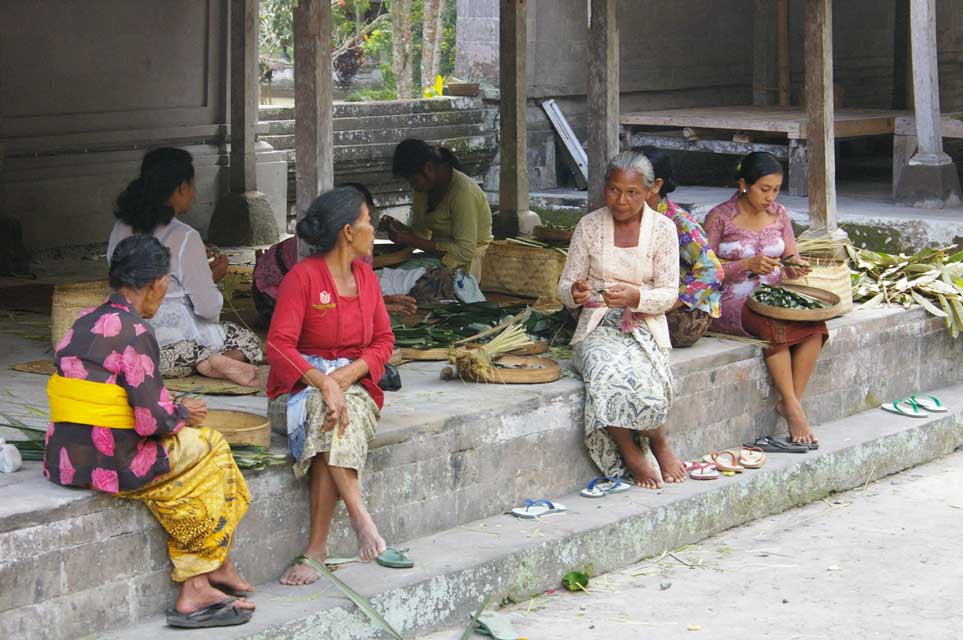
449, 459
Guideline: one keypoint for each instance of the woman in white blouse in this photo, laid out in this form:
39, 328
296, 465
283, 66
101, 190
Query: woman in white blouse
621, 276
187, 325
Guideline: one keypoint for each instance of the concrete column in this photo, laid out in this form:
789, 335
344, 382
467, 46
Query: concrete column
820, 134
931, 179
513, 111
243, 216
313, 109
603, 96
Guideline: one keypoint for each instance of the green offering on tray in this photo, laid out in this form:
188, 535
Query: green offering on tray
786, 298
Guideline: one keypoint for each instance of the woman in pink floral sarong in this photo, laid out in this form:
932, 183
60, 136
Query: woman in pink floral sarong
115, 429
752, 234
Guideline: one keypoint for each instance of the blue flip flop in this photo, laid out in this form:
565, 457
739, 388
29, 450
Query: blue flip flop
603, 486
537, 509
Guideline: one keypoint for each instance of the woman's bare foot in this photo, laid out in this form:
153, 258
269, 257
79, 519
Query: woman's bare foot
197, 593
673, 469
644, 474
224, 368
370, 543
301, 574
799, 430
226, 577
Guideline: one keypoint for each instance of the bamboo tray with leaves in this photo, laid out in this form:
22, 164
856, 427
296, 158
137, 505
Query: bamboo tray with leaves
829, 306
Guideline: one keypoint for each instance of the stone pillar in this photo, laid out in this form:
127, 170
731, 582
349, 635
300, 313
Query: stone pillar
930, 179
313, 109
243, 216
603, 96
820, 126
513, 111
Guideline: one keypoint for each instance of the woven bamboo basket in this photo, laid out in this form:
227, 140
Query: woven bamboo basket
802, 315
517, 370
391, 257
240, 427
829, 275
69, 300
519, 270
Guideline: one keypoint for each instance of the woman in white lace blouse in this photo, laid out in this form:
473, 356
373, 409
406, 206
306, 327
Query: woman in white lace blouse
187, 325
621, 276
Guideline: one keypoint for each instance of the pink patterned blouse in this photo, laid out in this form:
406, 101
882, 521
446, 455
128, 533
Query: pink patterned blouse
112, 344
731, 244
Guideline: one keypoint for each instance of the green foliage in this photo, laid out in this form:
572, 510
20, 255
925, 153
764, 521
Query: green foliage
371, 95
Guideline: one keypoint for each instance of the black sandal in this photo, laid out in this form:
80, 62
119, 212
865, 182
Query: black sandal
809, 445
769, 445
220, 614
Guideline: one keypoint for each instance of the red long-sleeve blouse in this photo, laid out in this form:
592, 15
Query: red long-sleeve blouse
309, 320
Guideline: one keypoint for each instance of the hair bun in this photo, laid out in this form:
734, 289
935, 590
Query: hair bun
311, 229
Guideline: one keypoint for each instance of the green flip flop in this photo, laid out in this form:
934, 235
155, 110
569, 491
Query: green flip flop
395, 559
495, 625
905, 407
928, 403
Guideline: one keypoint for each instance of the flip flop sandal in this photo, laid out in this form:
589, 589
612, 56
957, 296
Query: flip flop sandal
752, 457
495, 625
812, 446
220, 614
905, 407
237, 593
702, 471
602, 486
770, 445
732, 465
537, 509
928, 403
395, 559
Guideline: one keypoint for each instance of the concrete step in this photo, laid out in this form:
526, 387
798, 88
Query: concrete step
376, 108
364, 137
507, 558
441, 118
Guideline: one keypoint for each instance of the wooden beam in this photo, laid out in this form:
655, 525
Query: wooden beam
603, 96
926, 85
513, 106
819, 115
244, 74
313, 111
763, 48
902, 74
782, 28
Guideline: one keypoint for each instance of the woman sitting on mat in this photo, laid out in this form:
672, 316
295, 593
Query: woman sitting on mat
699, 270
450, 221
328, 345
272, 265
114, 428
187, 325
622, 273
753, 236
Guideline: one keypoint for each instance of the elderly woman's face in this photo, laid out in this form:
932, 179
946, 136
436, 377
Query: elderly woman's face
153, 297
625, 194
361, 234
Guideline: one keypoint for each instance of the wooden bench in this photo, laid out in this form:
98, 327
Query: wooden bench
744, 121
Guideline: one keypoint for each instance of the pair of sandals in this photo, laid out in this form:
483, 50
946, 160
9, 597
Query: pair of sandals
748, 457
915, 406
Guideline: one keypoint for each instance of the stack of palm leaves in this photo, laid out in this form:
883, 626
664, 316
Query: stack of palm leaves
480, 361
931, 278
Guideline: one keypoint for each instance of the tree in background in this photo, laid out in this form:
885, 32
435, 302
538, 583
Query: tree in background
431, 32
402, 62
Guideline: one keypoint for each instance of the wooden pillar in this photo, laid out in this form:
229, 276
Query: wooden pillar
926, 84
763, 50
512, 111
820, 134
603, 96
782, 28
313, 110
244, 70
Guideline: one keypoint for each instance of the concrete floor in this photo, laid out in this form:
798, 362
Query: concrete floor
877, 562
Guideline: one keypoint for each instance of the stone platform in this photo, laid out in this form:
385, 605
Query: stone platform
449, 458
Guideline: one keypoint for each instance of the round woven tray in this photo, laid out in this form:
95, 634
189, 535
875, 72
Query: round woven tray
806, 315
69, 300
240, 427
518, 370
442, 353
391, 259
549, 234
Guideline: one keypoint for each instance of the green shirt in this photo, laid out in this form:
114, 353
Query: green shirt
459, 224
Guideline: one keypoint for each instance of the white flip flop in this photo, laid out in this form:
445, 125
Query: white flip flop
538, 508
603, 486
905, 407
928, 403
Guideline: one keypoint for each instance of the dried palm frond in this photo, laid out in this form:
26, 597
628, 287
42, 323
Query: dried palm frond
480, 361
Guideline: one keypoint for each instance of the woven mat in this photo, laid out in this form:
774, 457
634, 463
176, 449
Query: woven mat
190, 384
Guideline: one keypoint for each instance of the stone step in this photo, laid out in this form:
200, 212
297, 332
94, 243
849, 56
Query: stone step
507, 558
364, 137
442, 118
377, 108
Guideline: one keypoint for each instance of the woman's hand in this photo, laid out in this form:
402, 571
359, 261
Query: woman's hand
401, 304
761, 265
219, 267
196, 411
621, 296
801, 270
343, 377
334, 400
581, 292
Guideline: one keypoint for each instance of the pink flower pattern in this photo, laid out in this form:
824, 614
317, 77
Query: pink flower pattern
108, 325
65, 340
111, 344
105, 480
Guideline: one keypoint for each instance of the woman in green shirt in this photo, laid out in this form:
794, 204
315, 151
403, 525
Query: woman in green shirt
450, 216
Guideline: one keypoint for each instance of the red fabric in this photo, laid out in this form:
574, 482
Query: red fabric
312, 319
781, 334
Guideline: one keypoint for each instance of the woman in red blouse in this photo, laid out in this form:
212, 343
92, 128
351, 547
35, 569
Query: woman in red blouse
329, 341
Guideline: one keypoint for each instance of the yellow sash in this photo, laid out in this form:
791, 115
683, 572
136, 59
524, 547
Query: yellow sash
85, 402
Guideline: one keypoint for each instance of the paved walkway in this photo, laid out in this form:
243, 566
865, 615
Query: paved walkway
882, 561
